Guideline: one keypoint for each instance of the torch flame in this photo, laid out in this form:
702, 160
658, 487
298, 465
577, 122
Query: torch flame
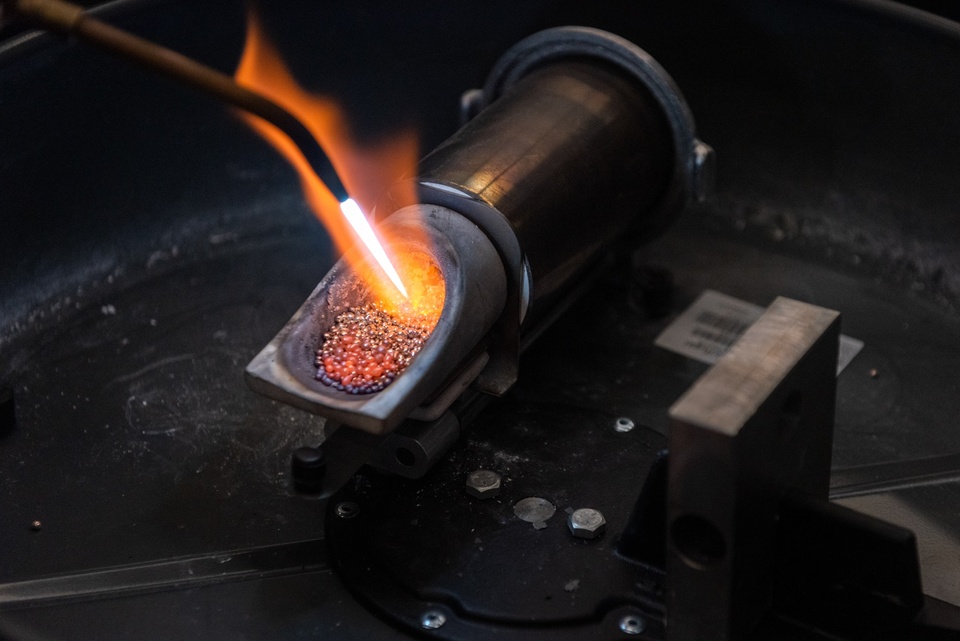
365, 171
361, 225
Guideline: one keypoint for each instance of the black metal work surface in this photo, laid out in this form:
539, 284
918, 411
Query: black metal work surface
136, 438
309, 605
154, 245
129, 501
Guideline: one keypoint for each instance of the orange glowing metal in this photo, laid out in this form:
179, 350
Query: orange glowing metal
366, 171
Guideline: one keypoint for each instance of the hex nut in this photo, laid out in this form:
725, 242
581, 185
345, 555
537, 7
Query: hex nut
483, 484
586, 523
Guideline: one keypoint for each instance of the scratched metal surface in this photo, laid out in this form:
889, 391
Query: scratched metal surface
137, 438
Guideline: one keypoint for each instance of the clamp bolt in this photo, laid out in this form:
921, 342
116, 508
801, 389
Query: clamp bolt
483, 484
586, 523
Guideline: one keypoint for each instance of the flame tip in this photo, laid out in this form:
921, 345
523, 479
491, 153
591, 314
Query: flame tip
368, 236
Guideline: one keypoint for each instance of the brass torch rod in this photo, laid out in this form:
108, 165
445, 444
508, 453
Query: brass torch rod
65, 18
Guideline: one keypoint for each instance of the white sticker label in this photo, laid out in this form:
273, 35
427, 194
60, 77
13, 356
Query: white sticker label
714, 322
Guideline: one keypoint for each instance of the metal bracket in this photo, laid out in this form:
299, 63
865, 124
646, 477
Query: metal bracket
757, 425
415, 447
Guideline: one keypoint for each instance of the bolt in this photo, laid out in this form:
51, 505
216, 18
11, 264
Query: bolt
36, 525
471, 103
874, 373
347, 510
705, 170
483, 484
632, 624
623, 424
586, 523
433, 620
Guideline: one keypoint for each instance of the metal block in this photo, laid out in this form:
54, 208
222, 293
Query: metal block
759, 423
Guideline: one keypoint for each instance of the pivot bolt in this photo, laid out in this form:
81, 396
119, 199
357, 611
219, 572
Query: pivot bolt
586, 523
483, 484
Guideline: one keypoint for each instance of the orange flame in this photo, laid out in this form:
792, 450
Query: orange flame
365, 171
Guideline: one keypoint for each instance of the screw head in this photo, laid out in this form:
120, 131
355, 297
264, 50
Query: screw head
623, 424
347, 510
432, 620
586, 523
632, 624
36, 526
483, 484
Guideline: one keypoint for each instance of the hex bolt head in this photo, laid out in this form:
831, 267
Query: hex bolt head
483, 484
586, 523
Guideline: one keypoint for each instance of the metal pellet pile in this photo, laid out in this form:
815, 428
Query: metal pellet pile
367, 348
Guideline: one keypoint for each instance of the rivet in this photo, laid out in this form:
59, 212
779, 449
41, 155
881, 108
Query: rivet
433, 620
347, 510
632, 624
534, 509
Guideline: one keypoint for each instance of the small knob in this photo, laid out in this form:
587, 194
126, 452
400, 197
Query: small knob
308, 465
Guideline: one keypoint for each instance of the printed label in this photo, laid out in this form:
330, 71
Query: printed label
714, 322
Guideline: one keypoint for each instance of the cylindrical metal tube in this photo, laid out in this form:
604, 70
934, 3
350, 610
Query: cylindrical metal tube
571, 155
415, 447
